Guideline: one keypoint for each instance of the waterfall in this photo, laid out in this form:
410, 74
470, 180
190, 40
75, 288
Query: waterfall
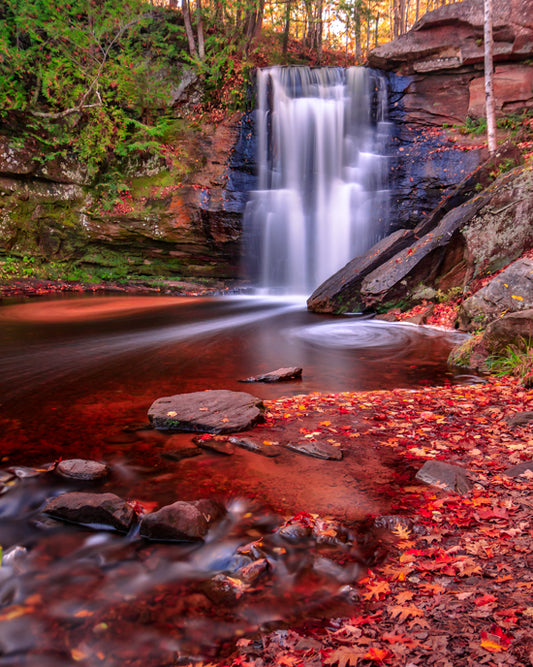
322, 195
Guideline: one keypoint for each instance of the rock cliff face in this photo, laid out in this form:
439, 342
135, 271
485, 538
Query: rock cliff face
436, 79
180, 216
463, 243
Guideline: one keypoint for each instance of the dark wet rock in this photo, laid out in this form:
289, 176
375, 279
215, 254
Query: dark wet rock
105, 509
319, 450
253, 571
82, 469
182, 521
210, 509
215, 444
294, 531
279, 375
519, 469
270, 450
25, 472
441, 252
6, 476
341, 292
136, 427
343, 574
329, 532
224, 590
422, 262
252, 550
393, 522
519, 419
214, 411
180, 454
511, 290
445, 476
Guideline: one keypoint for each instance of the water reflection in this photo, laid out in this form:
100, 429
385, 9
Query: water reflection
75, 374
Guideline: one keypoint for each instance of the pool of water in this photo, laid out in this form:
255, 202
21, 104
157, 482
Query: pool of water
77, 376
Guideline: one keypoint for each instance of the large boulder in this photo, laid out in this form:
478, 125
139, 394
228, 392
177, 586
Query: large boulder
214, 411
513, 330
509, 291
452, 36
451, 248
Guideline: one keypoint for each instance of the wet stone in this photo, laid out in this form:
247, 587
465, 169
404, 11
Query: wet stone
270, 450
319, 450
329, 532
214, 411
180, 454
279, 375
445, 476
94, 509
253, 571
224, 590
219, 445
82, 469
210, 509
181, 522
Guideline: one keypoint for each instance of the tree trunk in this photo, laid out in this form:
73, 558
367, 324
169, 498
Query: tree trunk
287, 27
188, 28
200, 30
357, 30
489, 86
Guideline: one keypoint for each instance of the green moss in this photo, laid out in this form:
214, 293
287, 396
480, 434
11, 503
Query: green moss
461, 355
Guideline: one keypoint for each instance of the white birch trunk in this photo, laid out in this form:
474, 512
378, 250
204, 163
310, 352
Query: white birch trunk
489, 86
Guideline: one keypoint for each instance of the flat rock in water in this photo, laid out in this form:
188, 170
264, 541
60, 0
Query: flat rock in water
270, 450
214, 444
181, 521
105, 509
320, 450
82, 469
181, 453
445, 476
214, 411
279, 375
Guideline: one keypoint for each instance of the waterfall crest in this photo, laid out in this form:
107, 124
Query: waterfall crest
322, 184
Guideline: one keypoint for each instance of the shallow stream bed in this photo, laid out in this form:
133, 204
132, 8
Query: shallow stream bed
77, 376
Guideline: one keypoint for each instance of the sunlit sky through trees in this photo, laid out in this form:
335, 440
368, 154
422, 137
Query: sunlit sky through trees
354, 26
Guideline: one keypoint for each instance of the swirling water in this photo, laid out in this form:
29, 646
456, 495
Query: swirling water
74, 375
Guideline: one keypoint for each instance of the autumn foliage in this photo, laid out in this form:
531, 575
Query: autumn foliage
455, 586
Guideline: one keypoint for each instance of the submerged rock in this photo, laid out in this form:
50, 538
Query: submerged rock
319, 450
214, 411
266, 449
279, 375
105, 509
215, 444
445, 476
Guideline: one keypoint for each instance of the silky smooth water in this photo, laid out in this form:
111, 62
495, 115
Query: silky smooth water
77, 376
322, 196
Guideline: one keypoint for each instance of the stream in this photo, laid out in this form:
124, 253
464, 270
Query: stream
77, 376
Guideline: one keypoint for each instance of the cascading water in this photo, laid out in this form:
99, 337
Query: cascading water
322, 195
